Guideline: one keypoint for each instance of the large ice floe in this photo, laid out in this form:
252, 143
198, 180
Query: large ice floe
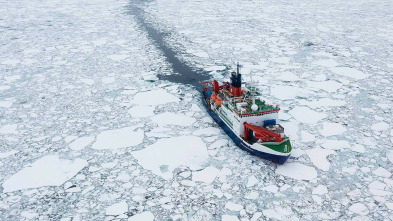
91, 130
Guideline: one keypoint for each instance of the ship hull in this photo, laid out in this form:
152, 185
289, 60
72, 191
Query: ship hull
278, 157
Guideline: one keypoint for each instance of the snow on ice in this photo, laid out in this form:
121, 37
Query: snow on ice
297, 171
167, 154
47, 171
154, 97
172, 119
118, 138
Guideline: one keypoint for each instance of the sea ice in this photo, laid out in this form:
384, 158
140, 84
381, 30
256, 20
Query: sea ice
335, 144
207, 131
118, 138
144, 216
117, 209
320, 190
306, 115
251, 181
349, 72
229, 218
9, 129
154, 97
359, 208
329, 86
233, 206
318, 157
297, 171
7, 154
165, 155
206, 175
380, 126
46, 171
382, 172
327, 63
81, 143
306, 136
173, 119
141, 111
331, 129
288, 92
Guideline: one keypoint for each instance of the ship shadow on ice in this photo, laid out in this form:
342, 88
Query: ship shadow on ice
182, 72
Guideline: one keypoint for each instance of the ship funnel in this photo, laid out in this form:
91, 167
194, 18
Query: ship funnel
236, 82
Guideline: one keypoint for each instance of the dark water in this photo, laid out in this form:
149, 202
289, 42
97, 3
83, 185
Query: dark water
183, 73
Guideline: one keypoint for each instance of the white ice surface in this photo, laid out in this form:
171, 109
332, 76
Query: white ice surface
81, 143
117, 209
297, 171
171, 153
331, 129
318, 157
9, 129
288, 92
306, 115
118, 138
169, 118
154, 97
141, 111
47, 171
206, 175
349, 72
144, 216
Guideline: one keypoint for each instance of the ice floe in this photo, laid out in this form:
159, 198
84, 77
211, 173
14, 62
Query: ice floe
117, 209
320, 190
9, 129
118, 138
81, 143
331, 129
359, 208
349, 72
141, 111
47, 171
380, 126
306, 115
297, 171
167, 154
318, 157
172, 119
154, 97
206, 175
144, 216
288, 92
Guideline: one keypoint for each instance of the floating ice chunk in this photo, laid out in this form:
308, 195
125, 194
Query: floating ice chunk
270, 188
251, 181
281, 60
327, 63
173, 119
291, 129
287, 76
288, 92
9, 129
229, 218
382, 172
6, 104
252, 195
324, 102
297, 152
306, 136
349, 72
117, 209
330, 129
329, 86
108, 80
7, 154
165, 155
201, 54
141, 111
46, 171
320, 190
233, 206
206, 175
154, 97
118, 138
207, 131
390, 156
306, 115
318, 157
144, 216
29, 214
359, 208
358, 148
119, 57
336, 144
81, 143
88, 81
297, 171
279, 214
380, 126
216, 68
